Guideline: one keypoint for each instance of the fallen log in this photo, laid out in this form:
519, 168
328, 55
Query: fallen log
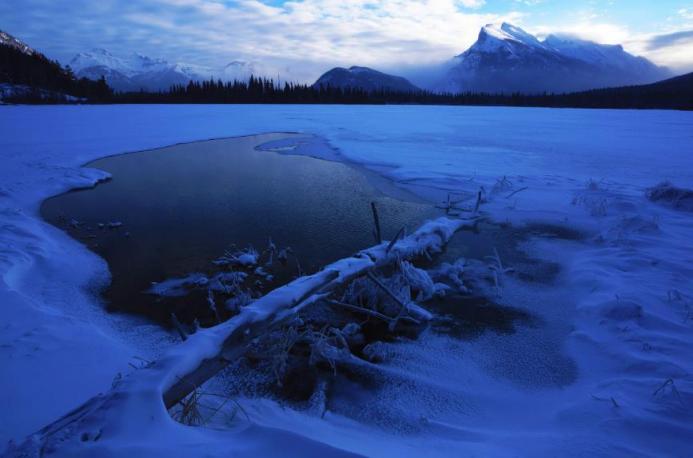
185, 367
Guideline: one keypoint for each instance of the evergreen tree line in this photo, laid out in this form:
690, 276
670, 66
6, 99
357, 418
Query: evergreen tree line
47, 80
670, 95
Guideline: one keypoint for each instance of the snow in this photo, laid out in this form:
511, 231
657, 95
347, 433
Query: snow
497, 36
140, 68
8, 91
8, 40
177, 287
619, 312
133, 406
599, 54
129, 65
510, 32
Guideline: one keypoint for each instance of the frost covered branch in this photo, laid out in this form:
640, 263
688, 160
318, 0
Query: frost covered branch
185, 367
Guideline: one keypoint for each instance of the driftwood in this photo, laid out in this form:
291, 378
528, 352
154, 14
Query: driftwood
234, 347
338, 274
188, 365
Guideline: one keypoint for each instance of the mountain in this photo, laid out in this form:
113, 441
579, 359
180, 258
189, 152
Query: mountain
364, 78
8, 40
505, 58
132, 72
27, 76
240, 70
135, 71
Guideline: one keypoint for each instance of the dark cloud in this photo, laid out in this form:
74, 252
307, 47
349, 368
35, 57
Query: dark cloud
667, 40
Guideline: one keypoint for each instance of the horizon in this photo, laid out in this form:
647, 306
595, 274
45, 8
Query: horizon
300, 40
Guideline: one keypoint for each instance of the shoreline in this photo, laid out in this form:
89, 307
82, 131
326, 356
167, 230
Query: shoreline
617, 312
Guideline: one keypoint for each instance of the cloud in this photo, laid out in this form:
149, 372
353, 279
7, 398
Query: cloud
296, 39
302, 38
473, 3
667, 40
674, 50
600, 32
686, 13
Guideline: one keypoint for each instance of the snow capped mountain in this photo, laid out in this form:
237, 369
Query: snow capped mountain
505, 58
8, 40
599, 54
136, 71
240, 70
364, 78
132, 72
493, 38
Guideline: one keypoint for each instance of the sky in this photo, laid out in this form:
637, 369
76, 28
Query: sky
300, 39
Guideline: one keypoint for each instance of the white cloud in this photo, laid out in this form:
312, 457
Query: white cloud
298, 40
302, 38
673, 49
686, 13
473, 3
588, 30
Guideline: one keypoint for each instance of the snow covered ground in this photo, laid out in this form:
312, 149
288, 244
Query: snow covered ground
622, 304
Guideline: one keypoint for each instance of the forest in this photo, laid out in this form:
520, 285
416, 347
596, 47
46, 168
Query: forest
44, 81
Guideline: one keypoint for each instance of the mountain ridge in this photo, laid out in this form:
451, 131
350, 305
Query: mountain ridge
506, 58
135, 71
9, 40
26, 75
364, 78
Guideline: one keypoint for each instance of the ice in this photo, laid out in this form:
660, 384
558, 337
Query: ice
178, 287
620, 309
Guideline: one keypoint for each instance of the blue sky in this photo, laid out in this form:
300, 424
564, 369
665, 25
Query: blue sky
300, 39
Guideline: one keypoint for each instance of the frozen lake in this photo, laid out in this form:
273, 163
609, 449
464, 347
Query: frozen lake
183, 206
589, 344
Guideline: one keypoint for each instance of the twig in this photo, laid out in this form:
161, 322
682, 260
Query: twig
393, 241
515, 192
226, 400
450, 204
387, 290
179, 327
478, 201
611, 398
408, 307
370, 312
376, 220
669, 382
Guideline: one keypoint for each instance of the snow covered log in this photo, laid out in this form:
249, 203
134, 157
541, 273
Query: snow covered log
134, 404
285, 301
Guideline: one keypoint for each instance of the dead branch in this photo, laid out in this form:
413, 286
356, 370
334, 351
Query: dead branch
187, 366
515, 192
376, 221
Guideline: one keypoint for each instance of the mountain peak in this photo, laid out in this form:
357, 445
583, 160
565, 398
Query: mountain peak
364, 78
493, 37
357, 69
505, 58
8, 40
508, 32
100, 51
565, 39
